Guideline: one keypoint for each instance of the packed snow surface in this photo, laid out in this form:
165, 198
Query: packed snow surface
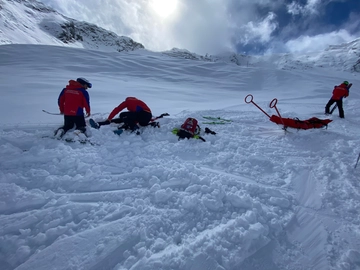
250, 197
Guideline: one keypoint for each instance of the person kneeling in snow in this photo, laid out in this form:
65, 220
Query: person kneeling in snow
72, 101
138, 113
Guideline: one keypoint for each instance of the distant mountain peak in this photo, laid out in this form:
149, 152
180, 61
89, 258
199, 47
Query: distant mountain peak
32, 22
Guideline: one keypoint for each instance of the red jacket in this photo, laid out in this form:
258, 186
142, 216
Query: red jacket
73, 99
132, 104
340, 91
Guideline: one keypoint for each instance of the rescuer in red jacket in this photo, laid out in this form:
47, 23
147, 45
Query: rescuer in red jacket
72, 101
340, 91
138, 113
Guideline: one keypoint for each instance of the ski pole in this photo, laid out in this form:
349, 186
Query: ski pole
51, 112
333, 109
357, 161
160, 116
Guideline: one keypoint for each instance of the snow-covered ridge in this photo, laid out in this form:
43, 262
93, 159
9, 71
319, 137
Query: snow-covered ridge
32, 22
91, 36
237, 59
344, 57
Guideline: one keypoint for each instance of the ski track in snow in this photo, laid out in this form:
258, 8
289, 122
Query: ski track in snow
250, 197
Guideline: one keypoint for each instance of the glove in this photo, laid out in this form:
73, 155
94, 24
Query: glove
208, 130
87, 115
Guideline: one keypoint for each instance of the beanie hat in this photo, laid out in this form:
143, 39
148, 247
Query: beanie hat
84, 81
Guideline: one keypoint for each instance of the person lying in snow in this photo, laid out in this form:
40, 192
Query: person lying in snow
191, 129
72, 101
138, 113
340, 91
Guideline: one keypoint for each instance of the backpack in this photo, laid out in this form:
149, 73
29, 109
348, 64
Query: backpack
189, 128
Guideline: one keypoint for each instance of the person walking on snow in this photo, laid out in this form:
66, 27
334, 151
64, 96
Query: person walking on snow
340, 91
138, 113
72, 101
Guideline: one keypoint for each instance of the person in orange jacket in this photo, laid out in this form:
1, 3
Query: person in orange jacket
72, 101
340, 91
138, 113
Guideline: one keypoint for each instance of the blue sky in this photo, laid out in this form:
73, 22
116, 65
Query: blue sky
296, 19
213, 26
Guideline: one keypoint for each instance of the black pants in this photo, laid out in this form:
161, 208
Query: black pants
74, 120
131, 119
339, 104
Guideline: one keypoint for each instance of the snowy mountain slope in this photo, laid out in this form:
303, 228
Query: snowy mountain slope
238, 59
31, 22
345, 57
340, 57
251, 197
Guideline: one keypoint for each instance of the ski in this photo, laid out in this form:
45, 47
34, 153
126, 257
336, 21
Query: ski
175, 131
78, 136
215, 123
70, 140
217, 119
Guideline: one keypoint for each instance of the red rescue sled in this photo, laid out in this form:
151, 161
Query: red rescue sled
312, 122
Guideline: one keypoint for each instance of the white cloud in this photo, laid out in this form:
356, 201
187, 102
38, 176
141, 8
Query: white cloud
317, 43
262, 30
294, 8
201, 26
311, 7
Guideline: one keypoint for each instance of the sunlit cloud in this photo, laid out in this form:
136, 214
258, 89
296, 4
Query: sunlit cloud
209, 26
164, 8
